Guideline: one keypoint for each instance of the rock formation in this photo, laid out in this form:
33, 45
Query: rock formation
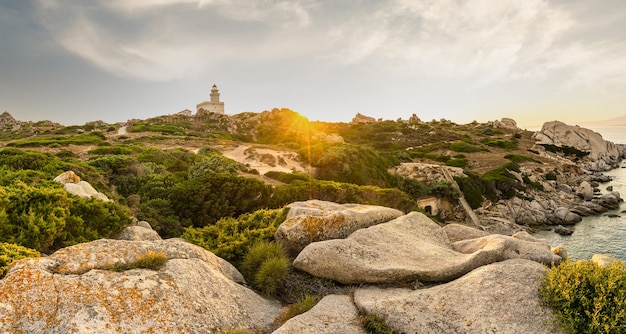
73, 185
316, 220
408, 248
498, 298
603, 155
79, 289
359, 118
331, 315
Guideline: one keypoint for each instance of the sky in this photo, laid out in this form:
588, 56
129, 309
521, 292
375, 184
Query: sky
74, 61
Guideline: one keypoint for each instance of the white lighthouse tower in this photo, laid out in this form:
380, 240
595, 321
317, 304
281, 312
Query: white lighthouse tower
211, 106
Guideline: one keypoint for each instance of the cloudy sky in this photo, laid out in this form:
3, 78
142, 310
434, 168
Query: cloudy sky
73, 61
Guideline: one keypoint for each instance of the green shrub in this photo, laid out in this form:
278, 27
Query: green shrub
462, 146
374, 324
516, 158
151, 260
566, 150
265, 266
586, 297
212, 164
288, 177
473, 188
12, 252
551, 175
462, 163
501, 143
230, 238
302, 306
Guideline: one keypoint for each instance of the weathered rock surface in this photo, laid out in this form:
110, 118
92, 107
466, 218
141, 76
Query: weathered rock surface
137, 232
498, 298
333, 314
603, 260
425, 172
73, 185
74, 290
503, 247
408, 248
566, 216
458, 232
603, 155
316, 220
585, 191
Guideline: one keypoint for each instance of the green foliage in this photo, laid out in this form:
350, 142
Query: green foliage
586, 297
47, 218
151, 260
516, 158
229, 238
566, 150
288, 177
551, 175
473, 188
500, 179
82, 139
302, 306
265, 266
175, 128
501, 143
416, 189
211, 164
349, 163
12, 252
341, 193
374, 324
462, 146
105, 150
462, 163
203, 201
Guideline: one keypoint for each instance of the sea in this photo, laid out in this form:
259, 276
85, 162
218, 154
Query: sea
599, 234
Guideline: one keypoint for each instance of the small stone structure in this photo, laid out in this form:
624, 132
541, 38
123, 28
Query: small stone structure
212, 106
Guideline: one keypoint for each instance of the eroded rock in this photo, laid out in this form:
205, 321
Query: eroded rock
76, 290
498, 298
333, 314
408, 248
316, 220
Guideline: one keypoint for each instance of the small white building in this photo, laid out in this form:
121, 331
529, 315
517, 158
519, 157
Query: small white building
211, 106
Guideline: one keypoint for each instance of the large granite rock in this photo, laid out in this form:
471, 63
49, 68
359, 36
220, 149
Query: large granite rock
74, 290
411, 247
458, 232
585, 191
73, 185
603, 155
498, 298
333, 314
316, 220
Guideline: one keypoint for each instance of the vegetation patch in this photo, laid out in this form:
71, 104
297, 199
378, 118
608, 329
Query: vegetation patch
464, 147
265, 266
462, 163
83, 139
516, 158
586, 297
302, 306
288, 177
374, 324
10, 253
566, 150
151, 260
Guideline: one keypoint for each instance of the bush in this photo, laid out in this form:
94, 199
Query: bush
462, 146
374, 324
230, 238
151, 260
462, 163
586, 297
288, 177
212, 164
473, 188
12, 252
265, 266
551, 175
302, 306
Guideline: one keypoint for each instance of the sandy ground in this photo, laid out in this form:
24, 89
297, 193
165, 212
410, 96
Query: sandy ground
265, 159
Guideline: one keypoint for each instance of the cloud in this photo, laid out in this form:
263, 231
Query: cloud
167, 39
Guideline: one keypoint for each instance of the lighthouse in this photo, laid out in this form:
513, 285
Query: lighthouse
214, 105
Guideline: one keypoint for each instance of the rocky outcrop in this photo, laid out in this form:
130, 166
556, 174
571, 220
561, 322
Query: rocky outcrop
505, 123
84, 288
425, 172
360, 118
138, 231
603, 260
315, 220
498, 298
408, 248
73, 185
603, 155
458, 232
333, 314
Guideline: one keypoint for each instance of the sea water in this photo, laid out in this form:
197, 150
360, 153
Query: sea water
599, 234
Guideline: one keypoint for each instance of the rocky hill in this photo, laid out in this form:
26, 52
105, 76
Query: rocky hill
342, 200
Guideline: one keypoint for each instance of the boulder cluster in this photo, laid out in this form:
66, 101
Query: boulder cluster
406, 269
